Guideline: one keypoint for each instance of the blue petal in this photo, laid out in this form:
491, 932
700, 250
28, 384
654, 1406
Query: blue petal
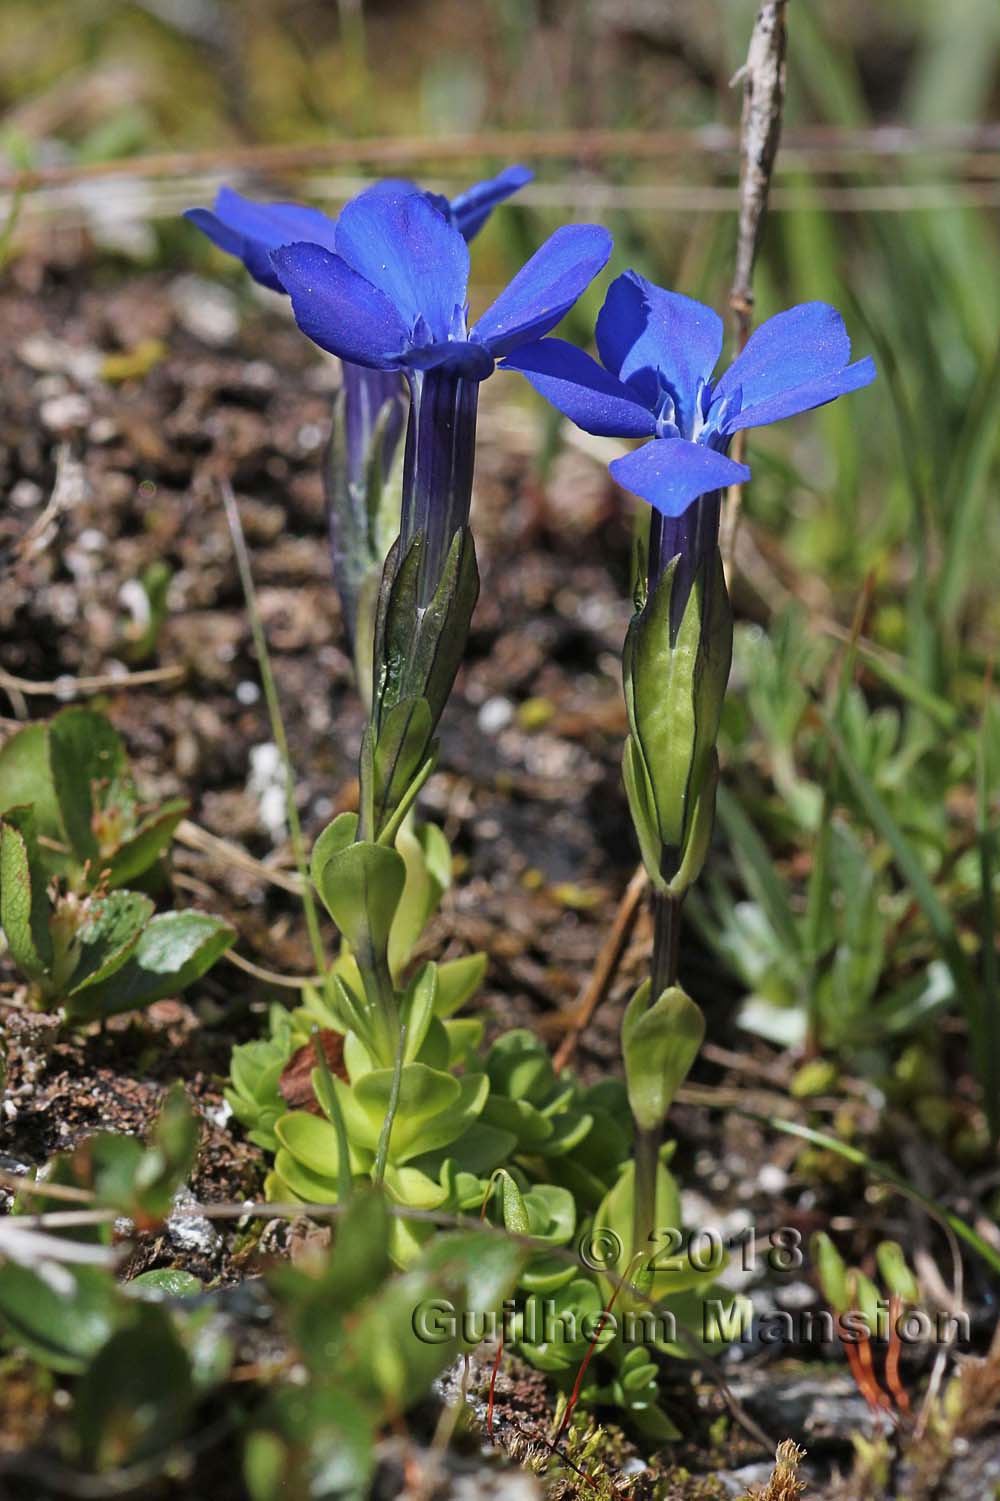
644, 331
471, 209
811, 393
252, 230
670, 473
794, 347
338, 309
409, 252
582, 390
545, 288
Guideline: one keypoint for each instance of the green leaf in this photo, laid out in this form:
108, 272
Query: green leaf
136, 1396
659, 1045
940, 920
91, 776
165, 1282
417, 1013
171, 1153
24, 907
434, 1109
64, 1329
384, 1356
831, 1271
293, 1180
479, 1149
174, 950
361, 886
312, 1141
25, 779
519, 1066
458, 981
148, 842
515, 1214
113, 929
427, 858
334, 838
529, 1127
895, 1271
321, 1444
359, 1260
661, 1273
757, 869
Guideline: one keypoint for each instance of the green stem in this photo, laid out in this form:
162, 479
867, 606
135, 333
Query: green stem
663, 974
277, 722
385, 1136
326, 1093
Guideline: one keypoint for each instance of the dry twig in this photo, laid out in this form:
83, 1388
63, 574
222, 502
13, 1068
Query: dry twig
604, 970
763, 79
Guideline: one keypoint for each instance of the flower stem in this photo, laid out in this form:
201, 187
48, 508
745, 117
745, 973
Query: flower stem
663, 974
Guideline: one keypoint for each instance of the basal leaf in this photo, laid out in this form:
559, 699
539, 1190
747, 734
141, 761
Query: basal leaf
108, 937
148, 842
91, 776
174, 950
24, 906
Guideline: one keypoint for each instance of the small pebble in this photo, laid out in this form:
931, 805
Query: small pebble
102, 430
64, 413
495, 715
772, 1179
206, 310
25, 495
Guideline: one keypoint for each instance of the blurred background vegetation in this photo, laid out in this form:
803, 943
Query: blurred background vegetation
885, 203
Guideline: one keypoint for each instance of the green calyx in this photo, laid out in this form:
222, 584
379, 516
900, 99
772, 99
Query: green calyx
417, 653
674, 692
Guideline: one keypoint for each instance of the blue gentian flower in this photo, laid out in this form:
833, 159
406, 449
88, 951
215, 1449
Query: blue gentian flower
659, 351
251, 230
391, 295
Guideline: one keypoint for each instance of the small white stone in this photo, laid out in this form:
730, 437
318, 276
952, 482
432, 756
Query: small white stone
63, 413
266, 784
133, 598
495, 715
25, 495
219, 1115
772, 1179
247, 692
206, 310
102, 430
